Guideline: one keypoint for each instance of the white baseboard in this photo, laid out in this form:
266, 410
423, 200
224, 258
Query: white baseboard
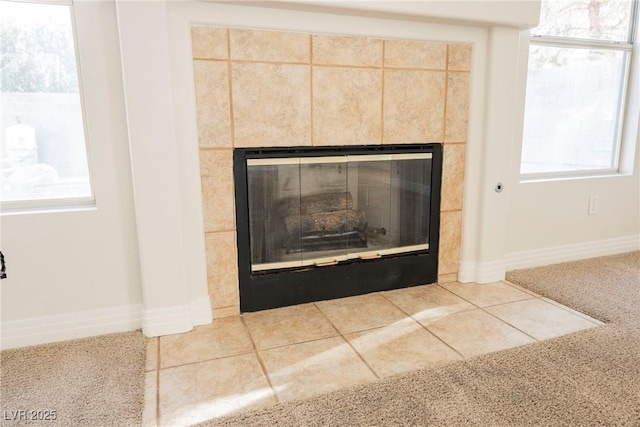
62, 327
68, 326
167, 321
574, 252
481, 272
177, 319
201, 311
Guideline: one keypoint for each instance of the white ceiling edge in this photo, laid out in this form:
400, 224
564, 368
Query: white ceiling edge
523, 14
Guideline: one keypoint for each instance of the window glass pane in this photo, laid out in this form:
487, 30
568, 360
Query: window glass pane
42, 148
572, 109
586, 19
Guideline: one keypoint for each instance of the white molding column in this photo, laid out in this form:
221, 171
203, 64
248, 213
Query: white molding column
170, 305
501, 119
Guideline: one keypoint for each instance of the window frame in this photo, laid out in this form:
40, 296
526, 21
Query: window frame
630, 72
15, 207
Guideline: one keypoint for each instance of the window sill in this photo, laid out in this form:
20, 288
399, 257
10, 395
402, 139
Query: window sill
47, 206
570, 176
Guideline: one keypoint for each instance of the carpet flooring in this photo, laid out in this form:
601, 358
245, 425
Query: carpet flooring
96, 381
589, 378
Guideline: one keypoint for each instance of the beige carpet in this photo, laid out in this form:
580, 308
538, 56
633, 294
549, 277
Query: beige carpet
589, 378
95, 381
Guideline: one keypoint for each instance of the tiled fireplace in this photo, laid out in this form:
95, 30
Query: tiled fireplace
258, 88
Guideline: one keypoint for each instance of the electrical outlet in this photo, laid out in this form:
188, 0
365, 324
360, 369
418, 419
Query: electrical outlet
594, 204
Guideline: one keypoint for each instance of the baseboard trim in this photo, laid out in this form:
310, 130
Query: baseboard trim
201, 311
481, 272
573, 252
177, 319
68, 326
167, 321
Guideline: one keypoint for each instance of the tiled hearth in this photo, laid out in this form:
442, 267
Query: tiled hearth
259, 88
261, 358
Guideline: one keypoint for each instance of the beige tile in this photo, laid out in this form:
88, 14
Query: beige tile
222, 312
288, 325
415, 54
459, 57
453, 177
271, 105
487, 294
520, 288
347, 106
150, 399
540, 319
303, 370
344, 50
475, 332
427, 302
457, 107
212, 103
400, 348
361, 312
450, 238
222, 268
446, 278
218, 200
152, 355
209, 42
223, 337
270, 46
570, 310
194, 393
413, 106
217, 164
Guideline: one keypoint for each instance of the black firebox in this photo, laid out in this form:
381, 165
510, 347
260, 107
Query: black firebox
317, 223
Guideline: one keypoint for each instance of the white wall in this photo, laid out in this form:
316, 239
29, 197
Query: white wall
68, 269
76, 273
548, 221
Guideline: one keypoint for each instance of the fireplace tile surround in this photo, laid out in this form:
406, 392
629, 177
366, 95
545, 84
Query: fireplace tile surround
257, 88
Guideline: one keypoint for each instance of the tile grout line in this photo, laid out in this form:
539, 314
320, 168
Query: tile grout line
260, 361
584, 316
508, 302
221, 231
446, 95
232, 131
550, 301
382, 96
241, 353
299, 342
311, 100
515, 286
215, 148
476, 305
557, 304
158, 383
375, 374
493, 305
513, 326
328, 65
505, 303
425, 328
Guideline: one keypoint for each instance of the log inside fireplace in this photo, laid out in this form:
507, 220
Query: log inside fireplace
324, 221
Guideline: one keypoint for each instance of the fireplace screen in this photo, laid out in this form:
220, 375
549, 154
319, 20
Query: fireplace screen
318, 211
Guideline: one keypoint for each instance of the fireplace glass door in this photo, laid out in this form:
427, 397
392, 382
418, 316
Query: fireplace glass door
319, 211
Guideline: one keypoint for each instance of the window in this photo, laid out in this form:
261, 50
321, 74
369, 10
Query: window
43, 154
579, 67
